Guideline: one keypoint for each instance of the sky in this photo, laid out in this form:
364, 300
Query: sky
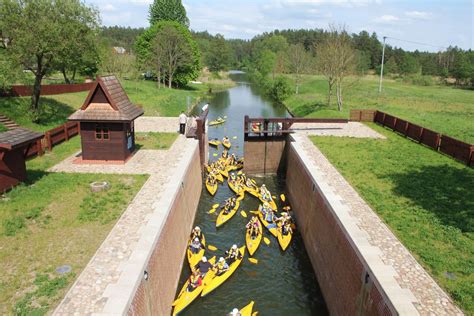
439, 23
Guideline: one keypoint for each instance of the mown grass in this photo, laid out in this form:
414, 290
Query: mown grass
444, 109
155, 140
425, 198
52, 220
55, 109
3, 128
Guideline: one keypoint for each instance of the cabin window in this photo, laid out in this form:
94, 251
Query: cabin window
102, 132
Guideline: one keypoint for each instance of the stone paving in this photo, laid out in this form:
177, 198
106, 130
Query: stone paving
91, 291
428, 297
157, 124
350, 129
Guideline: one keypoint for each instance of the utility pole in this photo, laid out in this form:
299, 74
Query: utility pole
381, 66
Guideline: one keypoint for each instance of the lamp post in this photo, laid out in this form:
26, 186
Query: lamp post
381, 66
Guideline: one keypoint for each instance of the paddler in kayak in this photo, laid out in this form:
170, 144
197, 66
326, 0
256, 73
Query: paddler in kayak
253, 226
225, 154
233, 254
286, 229
267, 212
249, 183
284, 219
235, 312
265, 193
195, 245
203, 266
233, 178
196, 233
221, 266
195, 280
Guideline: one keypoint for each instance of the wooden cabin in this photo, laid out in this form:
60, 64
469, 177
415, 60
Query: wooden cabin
106, 122
14, 146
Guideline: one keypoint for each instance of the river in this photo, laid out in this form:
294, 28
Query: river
282, 283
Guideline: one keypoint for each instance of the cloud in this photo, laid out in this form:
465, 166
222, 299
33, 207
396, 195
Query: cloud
421, 15
107, 8
387, 19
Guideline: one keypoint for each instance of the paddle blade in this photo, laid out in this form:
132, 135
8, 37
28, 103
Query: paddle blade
253, 181
266, 241
254, 212
253, 260
214, 154
215, 205
212, 210
211, 247
274, 197
235, 137
282, 197
243, 213
239, 173
255, 314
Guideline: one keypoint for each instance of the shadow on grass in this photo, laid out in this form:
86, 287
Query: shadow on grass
34, 175
53, 112
445, 191
309, 108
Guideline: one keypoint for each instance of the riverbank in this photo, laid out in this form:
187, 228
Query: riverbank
155, 101
441, 108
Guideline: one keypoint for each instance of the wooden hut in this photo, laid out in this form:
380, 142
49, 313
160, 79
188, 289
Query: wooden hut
14, 146
106, 122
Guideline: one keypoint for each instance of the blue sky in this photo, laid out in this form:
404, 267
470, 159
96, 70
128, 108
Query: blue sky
436, 22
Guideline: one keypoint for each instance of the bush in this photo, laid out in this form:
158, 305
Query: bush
12, 225
419, 80
280, 89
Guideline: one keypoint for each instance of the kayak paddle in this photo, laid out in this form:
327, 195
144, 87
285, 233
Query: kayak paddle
282, 197
212, 248
266, 240
243, 213
253, 260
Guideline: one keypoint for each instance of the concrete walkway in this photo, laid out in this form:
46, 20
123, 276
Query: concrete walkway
108, 276
350, 129
403, 278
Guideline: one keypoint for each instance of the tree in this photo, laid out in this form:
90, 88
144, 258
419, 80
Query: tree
280, 89
168, 10
408, 64
335, 60
219, 56
38, 34
299, 60
146, 49
391, 66
265, 62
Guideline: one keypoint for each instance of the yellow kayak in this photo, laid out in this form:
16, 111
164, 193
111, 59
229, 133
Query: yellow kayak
214, 142
217, 122
185, 298
272, 227
283, 240
226, 144
223, 218
224, 172
271, 202
232, 186
252, 244
211, 188
252, 191
194, 258
247, 310
219, 279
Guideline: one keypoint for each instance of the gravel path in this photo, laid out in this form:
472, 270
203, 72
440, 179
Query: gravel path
350, 129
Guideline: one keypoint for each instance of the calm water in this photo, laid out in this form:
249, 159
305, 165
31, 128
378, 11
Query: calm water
282, 283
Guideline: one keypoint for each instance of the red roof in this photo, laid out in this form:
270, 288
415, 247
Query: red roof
107, 101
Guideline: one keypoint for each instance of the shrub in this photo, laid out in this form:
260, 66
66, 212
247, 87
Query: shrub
280, 89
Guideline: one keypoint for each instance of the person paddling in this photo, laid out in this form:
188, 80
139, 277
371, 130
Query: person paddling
235, 312
233, 254
195, 245
195, 280
196, 233
203, 266
221, 266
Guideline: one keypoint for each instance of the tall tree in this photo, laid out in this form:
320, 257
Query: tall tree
299, 60
168, 10
38, 34
219, 57
146, 49
336, 60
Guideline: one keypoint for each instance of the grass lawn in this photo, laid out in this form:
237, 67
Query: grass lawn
444, 109
3, 128
425, 198
155, 140
50, 221
156, 102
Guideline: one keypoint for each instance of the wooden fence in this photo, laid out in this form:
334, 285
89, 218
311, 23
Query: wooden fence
52, 138
50, 89
452, 147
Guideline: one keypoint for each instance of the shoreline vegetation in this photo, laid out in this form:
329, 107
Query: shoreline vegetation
155, 101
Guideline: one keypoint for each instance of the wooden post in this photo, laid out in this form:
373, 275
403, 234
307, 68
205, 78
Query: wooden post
40, 147
66, 135
49, 142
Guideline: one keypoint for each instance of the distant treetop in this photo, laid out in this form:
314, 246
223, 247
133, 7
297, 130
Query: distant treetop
168, 10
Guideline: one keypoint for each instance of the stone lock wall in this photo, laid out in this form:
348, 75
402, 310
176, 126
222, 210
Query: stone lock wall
155, 295
347, 286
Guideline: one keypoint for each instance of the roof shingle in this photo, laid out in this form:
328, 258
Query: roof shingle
17, 137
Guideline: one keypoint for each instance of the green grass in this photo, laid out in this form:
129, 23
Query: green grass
51, 220
3, 128
156, 102
155, 140
444, 109
425, 198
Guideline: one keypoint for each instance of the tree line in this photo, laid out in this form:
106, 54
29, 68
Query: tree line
69, 40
